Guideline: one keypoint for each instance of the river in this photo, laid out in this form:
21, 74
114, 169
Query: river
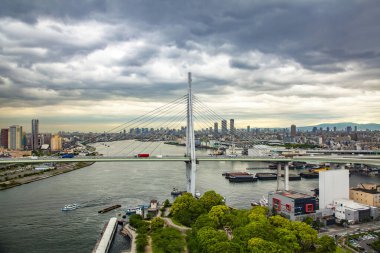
31, 219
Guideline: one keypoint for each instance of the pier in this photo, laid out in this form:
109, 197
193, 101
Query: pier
107, 237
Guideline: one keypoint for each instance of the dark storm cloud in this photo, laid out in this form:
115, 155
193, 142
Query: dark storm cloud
243, 65
29, 11
57, 57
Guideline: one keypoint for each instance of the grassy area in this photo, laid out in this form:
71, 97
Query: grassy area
177, 222
341, 250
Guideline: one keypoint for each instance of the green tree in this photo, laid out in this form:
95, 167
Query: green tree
326, 244
224, 247
167, 240
376, 245
261, 229
306, 236
287, 239
217, 214
240, 218
204, 221
258, 213
308, 220
141, 242
135, 220
259, 245
206, 237
210, 199
166, 203
186, 209
157, 223
279, 221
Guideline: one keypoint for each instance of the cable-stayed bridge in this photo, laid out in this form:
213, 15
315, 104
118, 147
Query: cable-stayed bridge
306, 159
186, 117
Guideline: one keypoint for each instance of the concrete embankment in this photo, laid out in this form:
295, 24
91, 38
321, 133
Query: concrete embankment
131, 233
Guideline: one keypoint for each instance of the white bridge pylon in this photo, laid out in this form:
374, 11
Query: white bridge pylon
191, 165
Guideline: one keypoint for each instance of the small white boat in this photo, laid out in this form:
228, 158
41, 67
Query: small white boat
254, 203
70, 207
263, 201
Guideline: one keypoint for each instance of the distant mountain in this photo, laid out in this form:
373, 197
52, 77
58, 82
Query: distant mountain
342, 125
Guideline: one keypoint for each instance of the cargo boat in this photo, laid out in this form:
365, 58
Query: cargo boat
109, 209
242, 178
266, 176
309, 174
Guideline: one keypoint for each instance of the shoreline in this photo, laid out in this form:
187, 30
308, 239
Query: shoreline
54, 172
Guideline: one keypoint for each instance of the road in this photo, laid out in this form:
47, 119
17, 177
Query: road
324, 159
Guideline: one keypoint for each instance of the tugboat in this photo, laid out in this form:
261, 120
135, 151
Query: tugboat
70, 207
175, 192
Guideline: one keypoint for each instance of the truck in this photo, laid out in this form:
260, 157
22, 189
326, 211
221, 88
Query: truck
142, 155
67, 156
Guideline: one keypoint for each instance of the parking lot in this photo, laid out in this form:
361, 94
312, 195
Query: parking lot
361, 241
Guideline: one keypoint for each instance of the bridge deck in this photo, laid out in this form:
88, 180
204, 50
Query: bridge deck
325, 159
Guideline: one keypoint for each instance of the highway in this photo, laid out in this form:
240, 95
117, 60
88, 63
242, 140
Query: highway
372, 161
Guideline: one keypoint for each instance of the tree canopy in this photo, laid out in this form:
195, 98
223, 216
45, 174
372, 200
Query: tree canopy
253, 230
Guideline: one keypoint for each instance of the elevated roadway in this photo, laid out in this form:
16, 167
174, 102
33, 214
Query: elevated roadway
373, 161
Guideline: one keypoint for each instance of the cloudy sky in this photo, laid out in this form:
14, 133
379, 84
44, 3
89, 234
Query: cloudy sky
90, 65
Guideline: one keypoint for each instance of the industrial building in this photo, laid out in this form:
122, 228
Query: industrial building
293, 205
367, 194
333, 184
353, 212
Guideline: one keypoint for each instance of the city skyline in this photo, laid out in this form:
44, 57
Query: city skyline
90, 66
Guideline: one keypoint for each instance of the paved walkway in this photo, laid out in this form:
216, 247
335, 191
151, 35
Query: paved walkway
170, 223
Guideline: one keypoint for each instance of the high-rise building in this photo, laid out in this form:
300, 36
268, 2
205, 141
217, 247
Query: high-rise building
4, 137
348, 129
34, 141
356, 128
232, 126
56, 143
334, 128
315, 129
248, 129
293, 130
15, 137
224, 126
216, 130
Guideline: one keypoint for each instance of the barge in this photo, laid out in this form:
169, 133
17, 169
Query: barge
109, 209
266, 176
242, 178
293, 177
309, 175
227, 175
